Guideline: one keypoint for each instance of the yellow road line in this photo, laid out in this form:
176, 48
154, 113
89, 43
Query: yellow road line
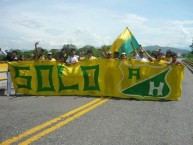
62, 123
41, 126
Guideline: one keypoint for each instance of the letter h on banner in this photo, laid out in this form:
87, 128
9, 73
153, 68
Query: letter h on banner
159, 88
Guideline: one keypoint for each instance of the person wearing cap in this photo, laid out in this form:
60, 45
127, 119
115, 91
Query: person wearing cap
49, 57
123, 56
139, 56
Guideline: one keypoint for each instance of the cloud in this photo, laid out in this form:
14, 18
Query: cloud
160, 31
83, 24
55, 30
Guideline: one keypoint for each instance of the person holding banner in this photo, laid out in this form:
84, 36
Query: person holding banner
37, 51
168, 56
109, 54
174, 60
41, 56
116, 55
89, 55
21, 57
72, 58
123, 56
103, 52
139, 56
150, 58
9, 57
157, 59
49, 57
62, 56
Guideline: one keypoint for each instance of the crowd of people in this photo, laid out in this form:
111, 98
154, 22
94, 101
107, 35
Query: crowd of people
71, 58
169, 57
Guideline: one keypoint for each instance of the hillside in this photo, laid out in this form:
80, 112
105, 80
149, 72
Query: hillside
164, 49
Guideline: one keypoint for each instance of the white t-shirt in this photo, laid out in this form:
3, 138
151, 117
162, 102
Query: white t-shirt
141, 59
71, 59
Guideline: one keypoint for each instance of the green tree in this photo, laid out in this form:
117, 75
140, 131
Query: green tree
68, 47
191, 46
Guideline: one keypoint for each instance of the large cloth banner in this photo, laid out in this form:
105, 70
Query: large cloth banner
101, 77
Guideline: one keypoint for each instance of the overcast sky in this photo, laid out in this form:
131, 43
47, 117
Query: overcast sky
94, 22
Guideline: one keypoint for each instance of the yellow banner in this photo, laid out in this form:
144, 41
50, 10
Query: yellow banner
101, 77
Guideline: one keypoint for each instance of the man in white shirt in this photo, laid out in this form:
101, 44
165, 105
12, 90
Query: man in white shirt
72, 58
141, 56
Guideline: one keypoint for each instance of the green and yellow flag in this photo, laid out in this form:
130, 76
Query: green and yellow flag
123, 43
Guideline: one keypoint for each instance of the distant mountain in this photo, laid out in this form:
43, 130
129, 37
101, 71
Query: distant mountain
164, 49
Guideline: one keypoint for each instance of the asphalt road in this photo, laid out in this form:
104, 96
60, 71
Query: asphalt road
116, 122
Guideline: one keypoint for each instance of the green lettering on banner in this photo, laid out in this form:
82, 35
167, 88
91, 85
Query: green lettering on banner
18, 75
61, 85
134, 72
40, 81
87, 80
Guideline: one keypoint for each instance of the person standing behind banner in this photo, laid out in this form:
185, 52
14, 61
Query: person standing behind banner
158, 58
9, 57
139, 56
89, 55
41, 56
72, 58
116, 55
123, 56
103, 52
21, 57
62, 56
168, 56
49, 57
174, 60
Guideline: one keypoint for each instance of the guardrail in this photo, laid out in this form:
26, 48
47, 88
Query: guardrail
189, 64
3, 69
